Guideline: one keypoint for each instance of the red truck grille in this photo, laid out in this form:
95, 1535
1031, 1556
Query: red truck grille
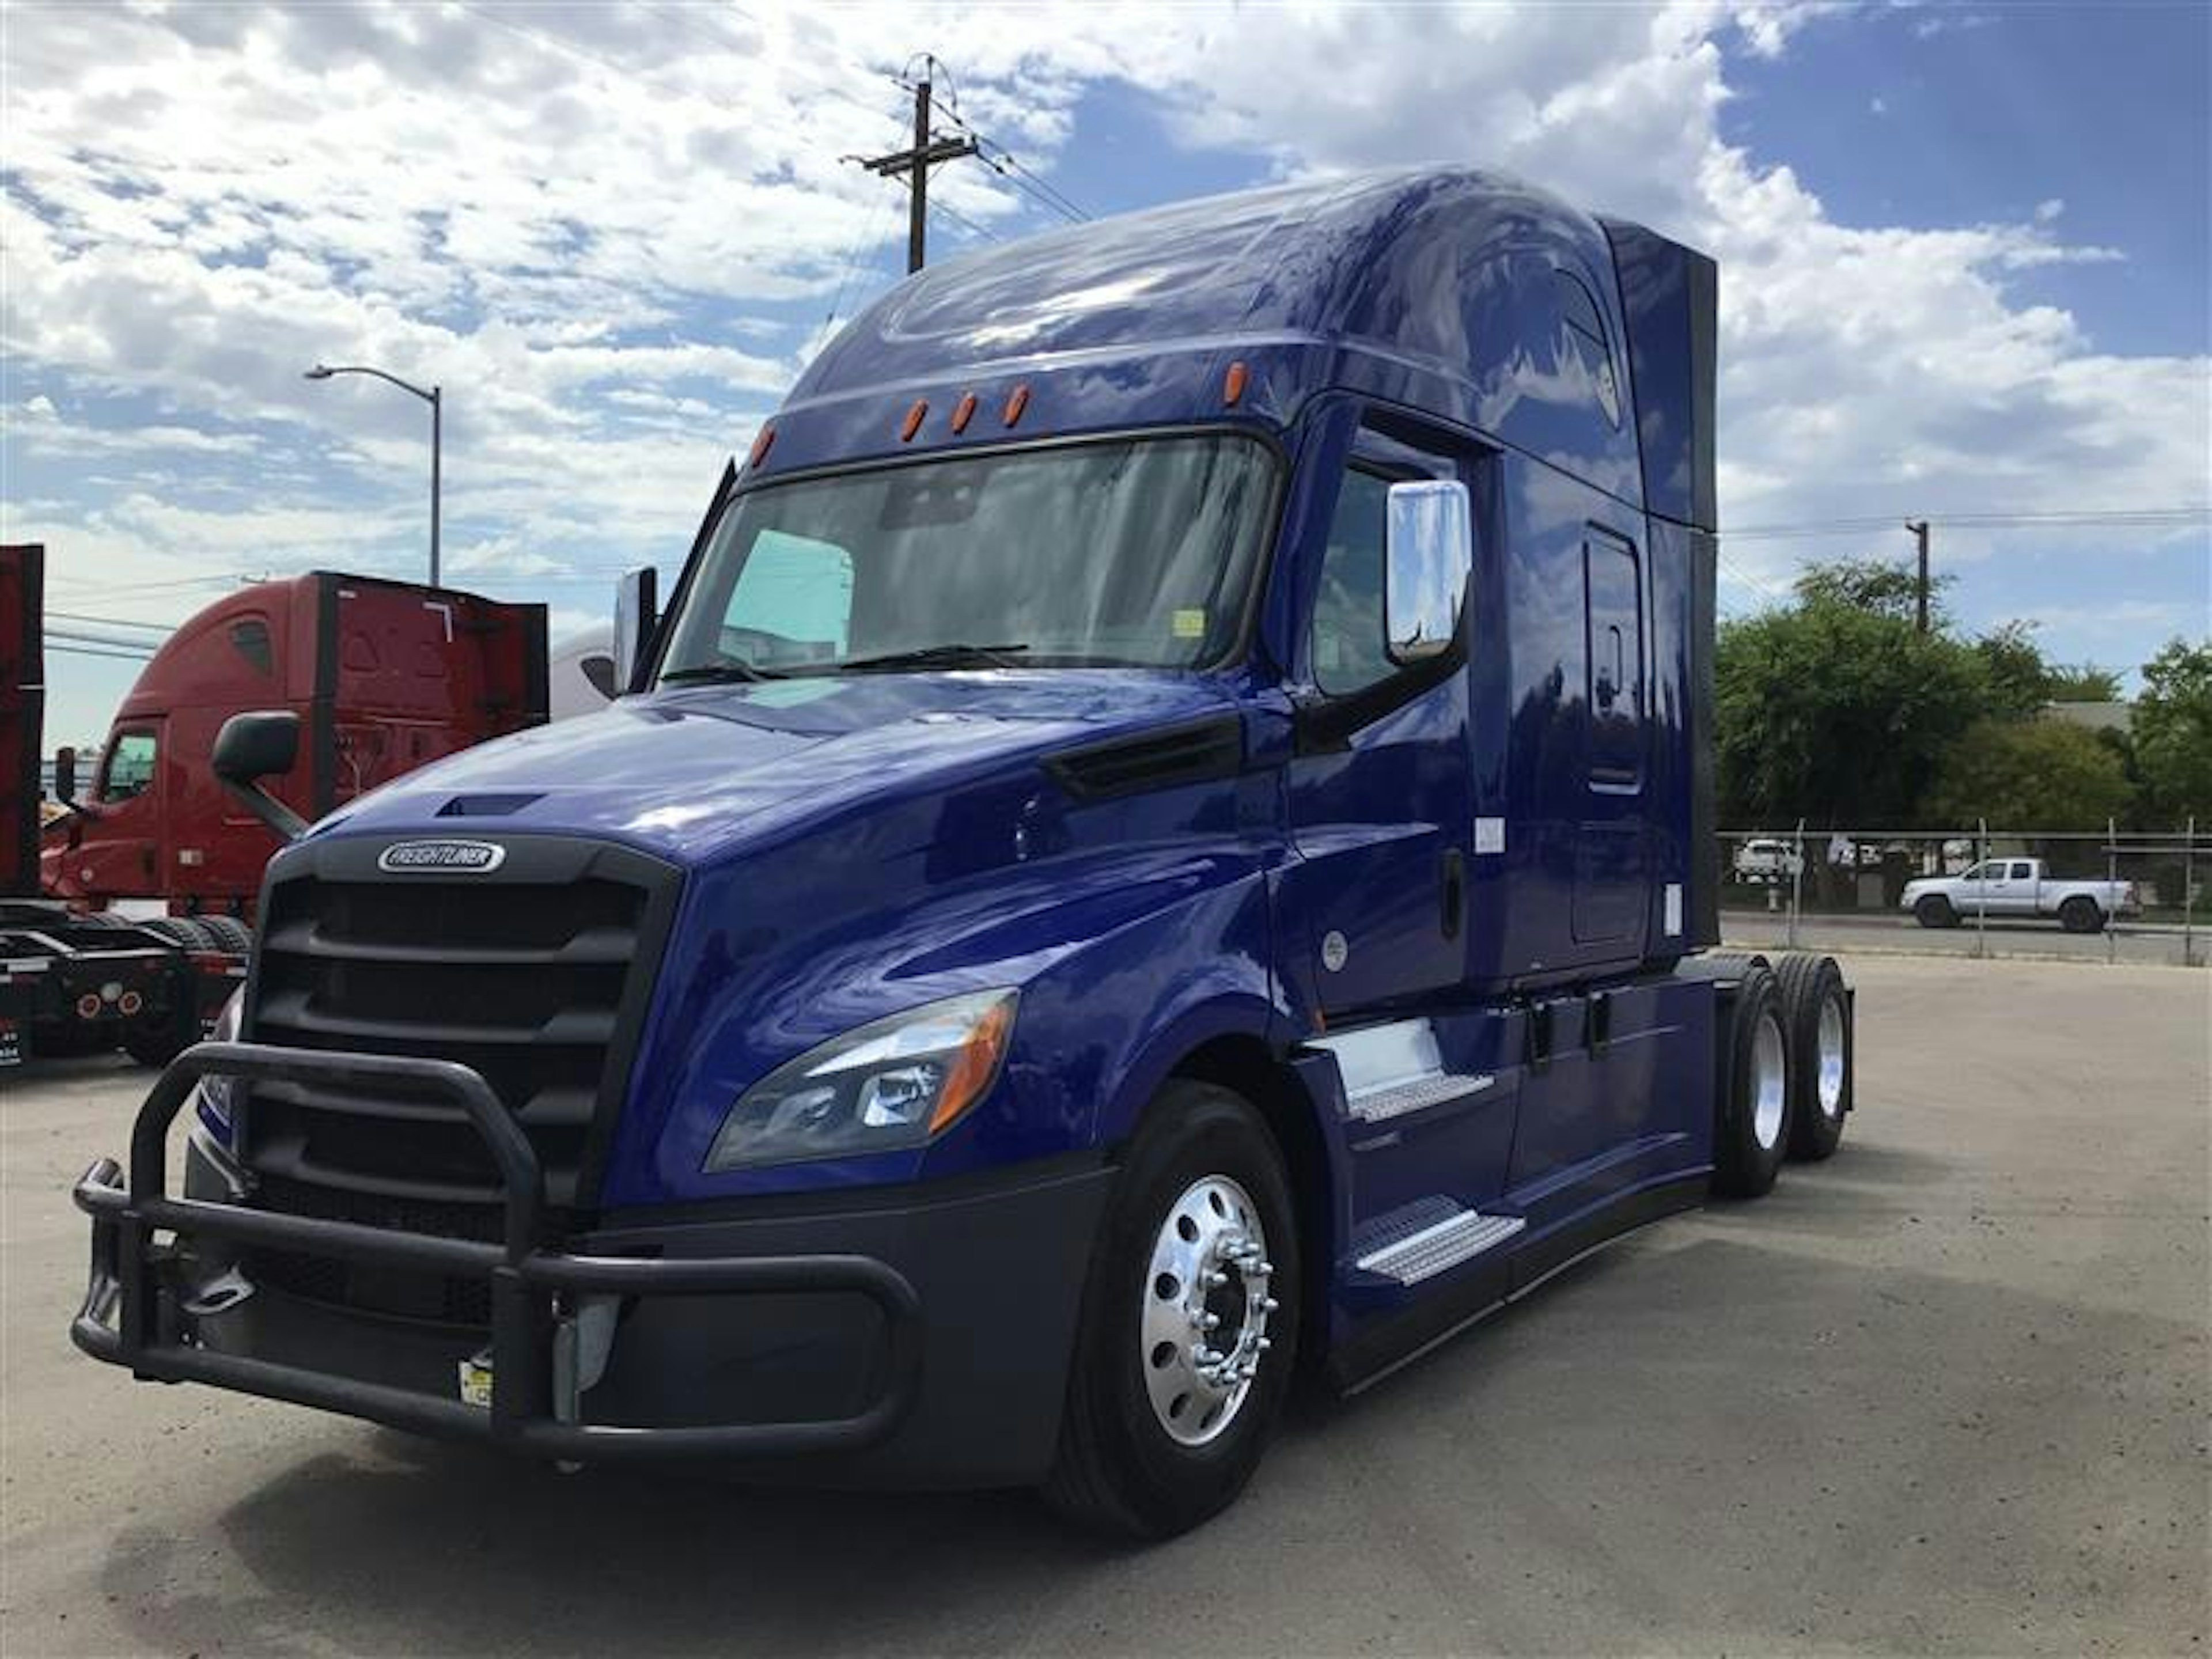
535, 975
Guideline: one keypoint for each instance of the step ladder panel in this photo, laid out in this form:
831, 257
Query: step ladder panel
1433, 1236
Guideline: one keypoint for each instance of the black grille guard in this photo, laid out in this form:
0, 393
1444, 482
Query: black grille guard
131, 1317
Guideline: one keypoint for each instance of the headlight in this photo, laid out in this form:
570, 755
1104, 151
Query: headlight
214, 1094
894, 1083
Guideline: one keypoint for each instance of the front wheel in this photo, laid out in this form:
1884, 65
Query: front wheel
1190, 1322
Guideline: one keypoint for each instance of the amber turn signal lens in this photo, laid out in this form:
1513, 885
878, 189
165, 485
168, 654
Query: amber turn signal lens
976, 1063
1017, 401
1232, 384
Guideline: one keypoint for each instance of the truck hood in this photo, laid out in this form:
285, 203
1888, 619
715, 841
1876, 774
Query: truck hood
692, 774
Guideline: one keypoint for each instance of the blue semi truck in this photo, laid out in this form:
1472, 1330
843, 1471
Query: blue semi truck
1162, 843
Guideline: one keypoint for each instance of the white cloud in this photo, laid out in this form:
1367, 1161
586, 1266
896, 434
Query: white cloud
611, 233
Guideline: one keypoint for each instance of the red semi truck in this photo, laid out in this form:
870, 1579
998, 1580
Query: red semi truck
384, 675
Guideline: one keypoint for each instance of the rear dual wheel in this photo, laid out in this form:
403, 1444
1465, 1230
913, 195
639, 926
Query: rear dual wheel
1751, 1132
1787, 1071
1817, 1014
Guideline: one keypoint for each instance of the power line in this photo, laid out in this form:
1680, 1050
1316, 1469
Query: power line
60, 650
1980, 519
1004, 163
111, 622
965, 222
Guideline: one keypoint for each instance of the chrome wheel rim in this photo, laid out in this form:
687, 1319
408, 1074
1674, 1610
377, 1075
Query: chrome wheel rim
1831, 1053
1203, 1329
1769, 1087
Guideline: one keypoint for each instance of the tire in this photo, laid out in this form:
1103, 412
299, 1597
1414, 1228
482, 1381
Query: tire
2082, 914
186, 932
228, 933
1751, 1117
1119, 1469
1934, 910
1816, 1012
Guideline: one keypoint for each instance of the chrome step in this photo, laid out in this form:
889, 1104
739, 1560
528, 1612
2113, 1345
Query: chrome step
1394, 1069
1431, 1249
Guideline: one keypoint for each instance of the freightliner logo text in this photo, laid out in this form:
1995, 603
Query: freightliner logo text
465, 857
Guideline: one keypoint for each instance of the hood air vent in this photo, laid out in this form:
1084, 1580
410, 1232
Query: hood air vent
1196, 752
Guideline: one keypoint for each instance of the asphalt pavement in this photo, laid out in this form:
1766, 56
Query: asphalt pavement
1947, 1393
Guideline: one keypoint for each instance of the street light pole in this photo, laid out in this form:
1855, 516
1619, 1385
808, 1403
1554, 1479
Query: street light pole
434, 396
437, 449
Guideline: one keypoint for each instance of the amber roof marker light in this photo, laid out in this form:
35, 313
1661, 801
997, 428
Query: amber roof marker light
913, 419
761, 440
1232, 384
1017, 401
963, 412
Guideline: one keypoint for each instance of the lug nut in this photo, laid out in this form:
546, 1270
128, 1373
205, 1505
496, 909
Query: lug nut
1209, 1322
1268, 1304
1215, 1280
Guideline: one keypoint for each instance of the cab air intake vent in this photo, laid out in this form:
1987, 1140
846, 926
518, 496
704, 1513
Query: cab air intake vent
486, 806
1195, 752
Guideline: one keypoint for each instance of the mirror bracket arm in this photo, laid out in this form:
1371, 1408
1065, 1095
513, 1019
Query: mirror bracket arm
289, 825
1323, 725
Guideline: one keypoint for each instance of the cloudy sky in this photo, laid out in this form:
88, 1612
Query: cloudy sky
1964, 261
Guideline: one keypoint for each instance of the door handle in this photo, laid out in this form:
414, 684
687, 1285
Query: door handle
1453, 897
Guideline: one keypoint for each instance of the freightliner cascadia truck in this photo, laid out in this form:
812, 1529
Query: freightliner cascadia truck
1162, 844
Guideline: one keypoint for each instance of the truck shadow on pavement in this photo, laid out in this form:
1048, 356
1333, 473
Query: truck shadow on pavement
1917, 1448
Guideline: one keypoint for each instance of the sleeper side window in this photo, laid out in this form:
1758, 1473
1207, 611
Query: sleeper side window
249, 637
1349, 650
1587, 336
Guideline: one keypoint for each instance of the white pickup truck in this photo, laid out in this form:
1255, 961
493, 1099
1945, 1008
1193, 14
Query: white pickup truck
2018, 887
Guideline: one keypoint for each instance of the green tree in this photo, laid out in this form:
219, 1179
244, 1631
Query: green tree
2082, 683
2173, 731
2031, 774
2019, 679
1836, 713
1875, 584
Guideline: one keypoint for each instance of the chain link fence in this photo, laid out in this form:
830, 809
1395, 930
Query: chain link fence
2137, 895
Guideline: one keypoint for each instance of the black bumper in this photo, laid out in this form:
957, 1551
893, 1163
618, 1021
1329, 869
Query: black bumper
919, 1338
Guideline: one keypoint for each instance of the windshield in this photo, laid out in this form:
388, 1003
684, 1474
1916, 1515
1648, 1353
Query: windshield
1137, 552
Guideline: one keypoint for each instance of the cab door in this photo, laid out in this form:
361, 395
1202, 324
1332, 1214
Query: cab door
1380, 799
116, 845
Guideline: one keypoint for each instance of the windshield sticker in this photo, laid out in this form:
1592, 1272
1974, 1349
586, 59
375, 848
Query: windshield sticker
1190, 624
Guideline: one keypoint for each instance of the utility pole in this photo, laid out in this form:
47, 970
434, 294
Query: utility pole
917, 162
1919, 529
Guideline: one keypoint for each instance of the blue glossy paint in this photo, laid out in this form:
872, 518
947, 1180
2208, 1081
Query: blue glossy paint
856, 845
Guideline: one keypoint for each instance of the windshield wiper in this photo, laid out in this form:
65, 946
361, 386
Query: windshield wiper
932, 656
719, 673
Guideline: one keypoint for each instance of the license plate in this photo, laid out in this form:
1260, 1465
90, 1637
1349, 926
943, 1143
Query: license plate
475, 1380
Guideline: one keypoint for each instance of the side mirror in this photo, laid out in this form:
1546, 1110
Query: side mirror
257, 745
65, 777
1429, 550
636, 616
